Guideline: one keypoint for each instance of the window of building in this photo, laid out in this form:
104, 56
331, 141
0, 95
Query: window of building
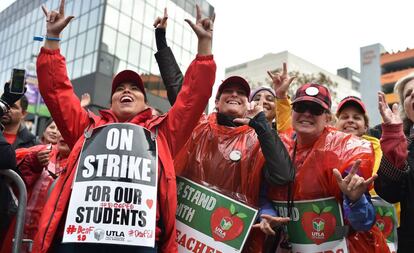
122, 47
136, 30
93, 18
149, 15
80, 45
95, 3
83, 23
109, 39
115, 3
139, 8
87, 64
147, 36
134, 51
85, 6
71, 49
112, 17
73, 27
127, 6
77, 68
90, 40
145, 59
124, 24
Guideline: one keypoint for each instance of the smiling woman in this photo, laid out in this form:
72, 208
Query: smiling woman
129, 106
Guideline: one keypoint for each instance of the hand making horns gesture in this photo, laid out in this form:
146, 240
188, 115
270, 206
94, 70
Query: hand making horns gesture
281, 82
353, 185
56, 20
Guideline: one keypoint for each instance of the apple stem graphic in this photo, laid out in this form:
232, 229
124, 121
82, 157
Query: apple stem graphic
233, 212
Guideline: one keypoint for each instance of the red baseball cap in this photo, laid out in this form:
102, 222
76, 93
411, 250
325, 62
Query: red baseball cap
128, 76
234, 80
315, 93
351, 100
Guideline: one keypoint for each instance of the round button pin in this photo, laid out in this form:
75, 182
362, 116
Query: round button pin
235, 155
311, 91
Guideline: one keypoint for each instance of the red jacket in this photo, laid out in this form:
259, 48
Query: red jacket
37, 187
174, 128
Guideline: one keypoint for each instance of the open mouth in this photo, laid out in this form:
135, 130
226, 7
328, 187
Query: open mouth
349, 128
306, 123
232, 102
126, 99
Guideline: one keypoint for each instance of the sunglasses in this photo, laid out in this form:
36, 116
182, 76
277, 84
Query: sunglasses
312, 108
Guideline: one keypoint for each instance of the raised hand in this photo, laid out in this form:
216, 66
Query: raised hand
56, 20
43, 157
269, 222
281, 82
85, 99
8, 97
388, 116
203, 28
254, 108
161, 22
353, 186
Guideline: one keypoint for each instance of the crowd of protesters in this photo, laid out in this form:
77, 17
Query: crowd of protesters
259, 147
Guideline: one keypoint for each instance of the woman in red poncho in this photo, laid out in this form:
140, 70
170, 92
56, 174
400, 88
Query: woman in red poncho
40, 184
327, 167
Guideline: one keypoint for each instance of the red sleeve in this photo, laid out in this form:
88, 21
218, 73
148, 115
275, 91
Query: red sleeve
29, 167
58, 94
191, 102
394, 144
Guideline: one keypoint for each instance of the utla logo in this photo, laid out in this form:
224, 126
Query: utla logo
226, 224
384, 221
319, 225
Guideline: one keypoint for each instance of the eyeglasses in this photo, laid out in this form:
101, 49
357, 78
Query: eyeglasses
312, 108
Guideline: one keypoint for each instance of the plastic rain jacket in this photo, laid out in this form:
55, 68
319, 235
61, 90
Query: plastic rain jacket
314, 177
38, 191
206, 159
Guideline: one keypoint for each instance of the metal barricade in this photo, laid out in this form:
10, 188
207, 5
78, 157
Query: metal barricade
21, 208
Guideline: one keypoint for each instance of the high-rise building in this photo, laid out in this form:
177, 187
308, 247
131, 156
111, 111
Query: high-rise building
105, 37
255, 72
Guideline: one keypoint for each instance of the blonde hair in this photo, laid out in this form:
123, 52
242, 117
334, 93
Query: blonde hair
399, 89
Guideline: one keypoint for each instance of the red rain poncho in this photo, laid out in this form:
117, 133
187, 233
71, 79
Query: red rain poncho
37, 189
206, 159
314, 177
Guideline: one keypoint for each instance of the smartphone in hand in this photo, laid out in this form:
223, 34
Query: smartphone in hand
18, 80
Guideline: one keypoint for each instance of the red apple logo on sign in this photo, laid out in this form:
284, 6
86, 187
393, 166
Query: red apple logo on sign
226, 224
319, 225
384, 221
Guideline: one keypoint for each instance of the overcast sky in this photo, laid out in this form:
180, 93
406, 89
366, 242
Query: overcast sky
328, 33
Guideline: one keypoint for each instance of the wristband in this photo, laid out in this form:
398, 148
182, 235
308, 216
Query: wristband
40, 38
52, 39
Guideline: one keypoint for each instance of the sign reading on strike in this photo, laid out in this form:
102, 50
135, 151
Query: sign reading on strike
115, 188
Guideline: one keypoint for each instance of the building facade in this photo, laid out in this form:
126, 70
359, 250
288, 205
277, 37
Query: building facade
393, 67
255, 72
380, 70
105, 37
351, 75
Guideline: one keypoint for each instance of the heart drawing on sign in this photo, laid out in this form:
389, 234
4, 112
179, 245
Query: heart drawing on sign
149, 202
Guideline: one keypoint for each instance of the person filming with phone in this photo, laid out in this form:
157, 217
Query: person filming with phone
16, 103
7, 156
